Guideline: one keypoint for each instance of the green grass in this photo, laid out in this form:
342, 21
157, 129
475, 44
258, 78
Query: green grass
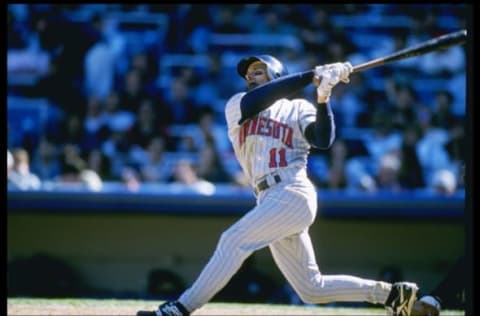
70, 306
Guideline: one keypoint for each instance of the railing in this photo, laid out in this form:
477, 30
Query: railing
231, 200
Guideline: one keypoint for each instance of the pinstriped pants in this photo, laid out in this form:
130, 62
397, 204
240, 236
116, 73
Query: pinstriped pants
280, 220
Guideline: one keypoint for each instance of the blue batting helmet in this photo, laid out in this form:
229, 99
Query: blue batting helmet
275, 68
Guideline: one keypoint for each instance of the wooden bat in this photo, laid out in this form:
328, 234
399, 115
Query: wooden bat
440, 42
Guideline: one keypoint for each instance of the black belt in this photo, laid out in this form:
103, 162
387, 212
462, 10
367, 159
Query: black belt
263, 185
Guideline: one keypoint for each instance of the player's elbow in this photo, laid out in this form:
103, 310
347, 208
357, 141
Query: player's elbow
324, 145
319, 137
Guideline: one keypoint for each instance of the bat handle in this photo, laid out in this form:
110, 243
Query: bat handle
368, 65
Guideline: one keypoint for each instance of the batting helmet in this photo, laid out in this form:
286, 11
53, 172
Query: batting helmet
275, 68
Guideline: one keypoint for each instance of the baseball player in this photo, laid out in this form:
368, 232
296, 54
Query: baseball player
271, 136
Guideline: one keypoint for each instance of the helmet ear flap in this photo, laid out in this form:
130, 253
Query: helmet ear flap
271, 75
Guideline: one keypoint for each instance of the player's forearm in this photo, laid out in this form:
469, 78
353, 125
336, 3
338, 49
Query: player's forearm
321, 133
258, 99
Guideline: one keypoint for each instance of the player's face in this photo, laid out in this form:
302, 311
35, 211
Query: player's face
256, 75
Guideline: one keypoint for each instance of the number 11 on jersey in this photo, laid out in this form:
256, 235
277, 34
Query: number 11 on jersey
277, 160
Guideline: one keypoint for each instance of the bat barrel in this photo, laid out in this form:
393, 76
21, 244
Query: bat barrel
429, 46
436, 43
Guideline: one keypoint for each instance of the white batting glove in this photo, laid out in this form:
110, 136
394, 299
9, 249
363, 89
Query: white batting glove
343, 70
330, 75
329, 80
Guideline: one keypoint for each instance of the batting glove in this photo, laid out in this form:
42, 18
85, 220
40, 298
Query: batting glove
329, 79
342, 70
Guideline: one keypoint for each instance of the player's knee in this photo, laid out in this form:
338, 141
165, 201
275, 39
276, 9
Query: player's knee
229, 242
226, 239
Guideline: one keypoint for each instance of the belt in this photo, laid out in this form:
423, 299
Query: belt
263, 185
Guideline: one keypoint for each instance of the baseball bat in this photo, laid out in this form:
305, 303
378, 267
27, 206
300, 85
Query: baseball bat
440, 42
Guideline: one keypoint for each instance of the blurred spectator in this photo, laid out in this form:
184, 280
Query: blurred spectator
155, 165
190, 19
186, 144
353, 100
442, 110
72, 130
130, 179
317, 29
457, 87
63, 83
443, 117
182, 108
44, 35
431, 147
17, 36
387, 176
212, 87
20, 176
347, 107
210, 166
45, 161
223, 19
210, 131
117, 149
99, 70
116, 117
294, 60
100, 163
382, 139
91, 180
146, 66
233, 168
359, 178
271, 21
185, 177
328, 170
71, 163
339, 47
410, 173
336, 166
133, 92
94, 125
402, 105
147, 125
444, 182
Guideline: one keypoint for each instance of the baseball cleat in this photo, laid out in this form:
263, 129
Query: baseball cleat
167, 309
401, 299
426, 306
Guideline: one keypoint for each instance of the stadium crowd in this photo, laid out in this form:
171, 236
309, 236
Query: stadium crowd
135, 93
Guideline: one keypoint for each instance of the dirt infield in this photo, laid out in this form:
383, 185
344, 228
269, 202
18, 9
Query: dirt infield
25, 306
71, 307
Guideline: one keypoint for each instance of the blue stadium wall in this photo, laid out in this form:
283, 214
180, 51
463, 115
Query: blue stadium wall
115, 240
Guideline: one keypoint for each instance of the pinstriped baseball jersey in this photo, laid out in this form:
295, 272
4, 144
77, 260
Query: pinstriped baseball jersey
273, 138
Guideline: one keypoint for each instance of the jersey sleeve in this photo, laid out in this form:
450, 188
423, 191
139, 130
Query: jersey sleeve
306, 114
233, 112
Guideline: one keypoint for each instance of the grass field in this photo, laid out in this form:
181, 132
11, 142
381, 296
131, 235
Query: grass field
37, 306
